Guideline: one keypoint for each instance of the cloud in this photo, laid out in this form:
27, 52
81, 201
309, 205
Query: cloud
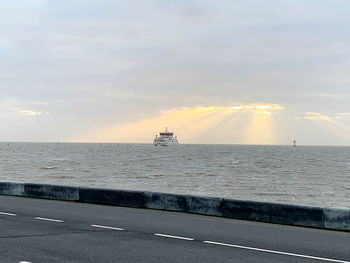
317, 117
257, 108
313, 116
313, 113
101, 63
30, 113
342, 115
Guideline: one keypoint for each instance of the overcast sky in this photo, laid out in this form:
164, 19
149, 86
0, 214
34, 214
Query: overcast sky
120, 71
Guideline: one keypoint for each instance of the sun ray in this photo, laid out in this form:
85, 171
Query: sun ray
333, 126
230, 127
194, 124
261, 129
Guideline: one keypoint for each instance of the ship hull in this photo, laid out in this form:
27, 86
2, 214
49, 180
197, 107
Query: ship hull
165, 143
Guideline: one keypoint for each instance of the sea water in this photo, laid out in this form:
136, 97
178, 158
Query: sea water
305, 175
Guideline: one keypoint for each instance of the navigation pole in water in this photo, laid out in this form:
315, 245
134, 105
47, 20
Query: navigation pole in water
294, 143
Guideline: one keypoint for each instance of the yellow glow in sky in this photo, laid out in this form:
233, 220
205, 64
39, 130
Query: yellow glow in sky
318, 117
261, 130
215, 124
331, 125
30, 113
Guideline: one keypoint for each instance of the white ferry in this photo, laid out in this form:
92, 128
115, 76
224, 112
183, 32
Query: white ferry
165, 138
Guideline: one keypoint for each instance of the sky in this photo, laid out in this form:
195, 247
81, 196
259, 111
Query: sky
213, 72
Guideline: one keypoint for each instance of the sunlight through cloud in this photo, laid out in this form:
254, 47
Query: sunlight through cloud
317, 117
332, 125
215, 124
30, 113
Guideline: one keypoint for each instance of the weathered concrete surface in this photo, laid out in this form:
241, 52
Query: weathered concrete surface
111, 197
336, 219
7, 188
204, 205
162, 201
273, 213
183, 203
327, 218
58, 192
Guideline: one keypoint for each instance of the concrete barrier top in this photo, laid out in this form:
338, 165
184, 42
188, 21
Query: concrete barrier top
306, 216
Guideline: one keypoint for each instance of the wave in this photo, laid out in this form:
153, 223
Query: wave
50, 167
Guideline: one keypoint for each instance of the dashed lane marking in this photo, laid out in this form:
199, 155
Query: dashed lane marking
108, 227
7, 214
175, 237
207, 242
49, 219
276, 252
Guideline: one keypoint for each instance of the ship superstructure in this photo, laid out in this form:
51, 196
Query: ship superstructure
165, 138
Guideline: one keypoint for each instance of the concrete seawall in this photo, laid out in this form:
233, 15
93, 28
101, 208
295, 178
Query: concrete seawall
318, 217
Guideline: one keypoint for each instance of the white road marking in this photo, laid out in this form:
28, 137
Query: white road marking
276, 252
176, 237
7, 214
49, 219
108, 227
25, 262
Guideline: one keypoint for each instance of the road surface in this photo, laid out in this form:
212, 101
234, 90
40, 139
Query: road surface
38, 230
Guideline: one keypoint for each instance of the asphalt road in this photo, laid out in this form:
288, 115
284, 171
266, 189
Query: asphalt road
36, 230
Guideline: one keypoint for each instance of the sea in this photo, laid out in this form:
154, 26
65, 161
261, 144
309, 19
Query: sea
303, 175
